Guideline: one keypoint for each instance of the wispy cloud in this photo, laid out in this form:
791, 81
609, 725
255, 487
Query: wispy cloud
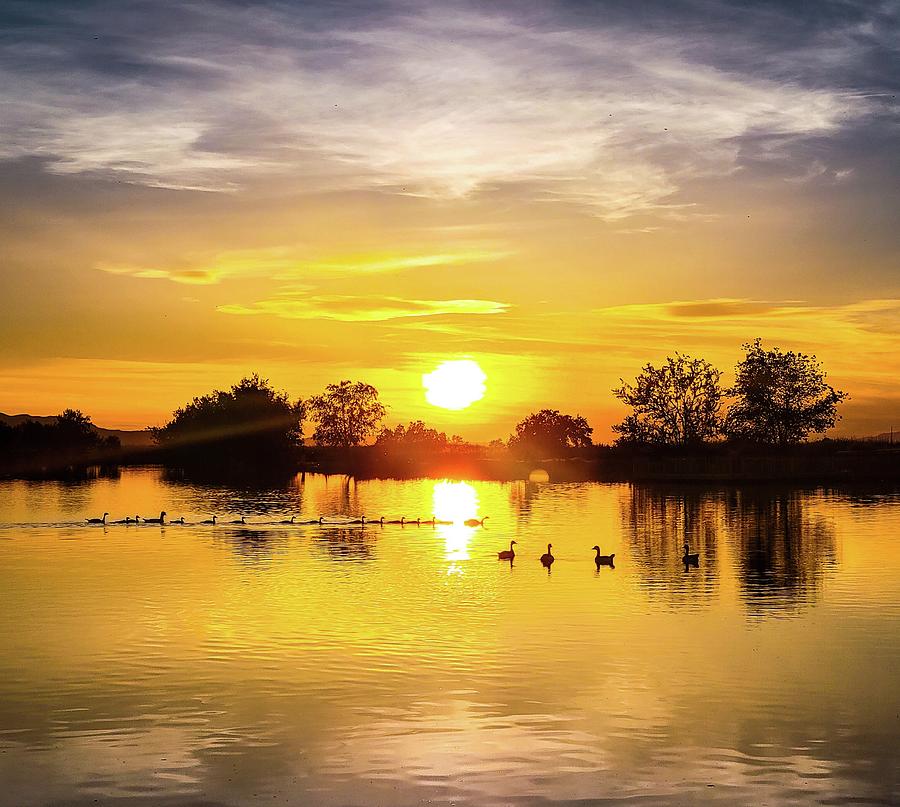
287, 265
361, 309
428, 100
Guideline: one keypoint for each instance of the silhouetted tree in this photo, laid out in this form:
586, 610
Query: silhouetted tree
416, 438
781, 397
676, 404
346, 414
549, 433
252, 424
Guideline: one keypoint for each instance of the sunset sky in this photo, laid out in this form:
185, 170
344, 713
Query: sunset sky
560, 191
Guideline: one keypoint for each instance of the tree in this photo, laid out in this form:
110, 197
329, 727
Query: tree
676, 404
549, 433
416, 438
250, 424
781, 397
346, 414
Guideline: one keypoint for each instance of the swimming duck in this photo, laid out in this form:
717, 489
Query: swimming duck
692, 558
240, 520
97, 520
508, 554
474, 522
288, 521
160, 520
603, 560
177, 520
210, 521
547, 559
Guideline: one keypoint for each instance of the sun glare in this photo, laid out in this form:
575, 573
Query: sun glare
454, 384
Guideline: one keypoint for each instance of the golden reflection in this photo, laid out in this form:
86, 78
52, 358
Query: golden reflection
455, 502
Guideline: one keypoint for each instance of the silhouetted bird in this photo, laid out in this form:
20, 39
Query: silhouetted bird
127, 520
240, 520
288, 521
508, 554
177, 520
603, 560
97, 520
474, 522
210, 521
692, 558
160, 520
547, 559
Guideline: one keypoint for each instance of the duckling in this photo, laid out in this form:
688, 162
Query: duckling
603, 560
97, 520
508, 554
547, 559
690, 558
475, 522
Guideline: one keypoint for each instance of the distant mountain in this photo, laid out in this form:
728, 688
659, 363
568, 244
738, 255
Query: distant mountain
128, 439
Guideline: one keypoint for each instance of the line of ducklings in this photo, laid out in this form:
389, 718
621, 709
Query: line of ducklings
362, 520
688, 558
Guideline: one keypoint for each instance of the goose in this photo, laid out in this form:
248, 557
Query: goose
603, 560
692, 558
238, 521
288, 521
97, 520
177, 520
210, 521
508, 554
474, 522
547, 559
160, 520
392, 521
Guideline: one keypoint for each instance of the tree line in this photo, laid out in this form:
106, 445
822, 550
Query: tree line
777, 398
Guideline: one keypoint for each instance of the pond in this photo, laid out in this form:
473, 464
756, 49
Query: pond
348, 664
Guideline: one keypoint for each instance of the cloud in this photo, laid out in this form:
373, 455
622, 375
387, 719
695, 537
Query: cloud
287, 265
431, 100
361, 309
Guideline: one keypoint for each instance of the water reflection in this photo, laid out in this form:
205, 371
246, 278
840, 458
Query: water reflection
455, 502
658, 521
347, 544
339, 664
783, 550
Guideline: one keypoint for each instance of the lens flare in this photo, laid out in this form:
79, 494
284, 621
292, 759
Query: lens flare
455, 384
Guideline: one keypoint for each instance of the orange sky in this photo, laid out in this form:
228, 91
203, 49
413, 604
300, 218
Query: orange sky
557, 195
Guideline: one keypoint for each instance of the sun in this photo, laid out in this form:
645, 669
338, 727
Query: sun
454, 384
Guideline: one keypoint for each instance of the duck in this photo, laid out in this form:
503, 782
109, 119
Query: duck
547, 559
160, 520
210, 521
177, 520
288, 521
240, 520
603, 560
475, 522
508, 554
97, 520
127, 520
692, 558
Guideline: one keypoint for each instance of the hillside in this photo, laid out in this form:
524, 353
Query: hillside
128, 439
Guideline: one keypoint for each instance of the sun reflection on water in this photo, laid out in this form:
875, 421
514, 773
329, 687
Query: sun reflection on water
455, 502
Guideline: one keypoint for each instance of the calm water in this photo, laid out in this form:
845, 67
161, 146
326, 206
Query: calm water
332, 665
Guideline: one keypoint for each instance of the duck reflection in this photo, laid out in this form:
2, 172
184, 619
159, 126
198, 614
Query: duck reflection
346, 545
253, 547
783, 549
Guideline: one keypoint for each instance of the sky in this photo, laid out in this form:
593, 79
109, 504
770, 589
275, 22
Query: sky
560, 191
